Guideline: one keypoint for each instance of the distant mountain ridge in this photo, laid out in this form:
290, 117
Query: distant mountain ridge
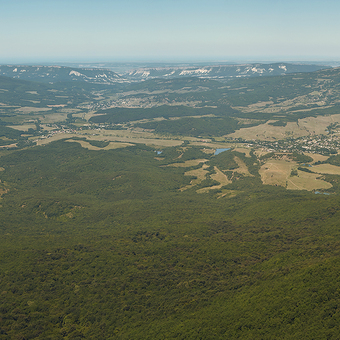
220, 71
105, 76
53, 74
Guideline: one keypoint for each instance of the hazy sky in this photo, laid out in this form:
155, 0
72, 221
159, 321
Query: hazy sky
172, 30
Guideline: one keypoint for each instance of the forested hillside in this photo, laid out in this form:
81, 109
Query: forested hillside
103, 245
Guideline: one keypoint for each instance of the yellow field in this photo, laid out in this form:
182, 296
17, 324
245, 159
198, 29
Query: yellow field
8, 146
23, 127
128, 136
260, 152
304, 127
210, 145
199, 173
326, 169
53, 118
242, 169
8, 106
47, 128
27, 109
68, 110
115, 136
270, 132
316, 157
246, 151
277, 172
306, 181
220, 177
284, 105
318, 125
260, 105
187, 164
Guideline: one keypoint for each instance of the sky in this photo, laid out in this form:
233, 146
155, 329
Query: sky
173, 30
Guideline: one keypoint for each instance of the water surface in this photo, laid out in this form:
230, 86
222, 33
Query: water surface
318, 192
218, 151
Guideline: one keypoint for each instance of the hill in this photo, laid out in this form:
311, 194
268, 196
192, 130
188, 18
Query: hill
53, 74
103, 244
220, 72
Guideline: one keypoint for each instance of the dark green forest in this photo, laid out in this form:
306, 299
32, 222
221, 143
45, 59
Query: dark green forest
103, 245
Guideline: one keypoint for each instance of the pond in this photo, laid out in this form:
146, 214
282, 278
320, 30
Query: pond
318, 192
218, 151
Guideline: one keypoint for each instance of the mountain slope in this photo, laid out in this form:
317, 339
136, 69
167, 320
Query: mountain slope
220, 71
60, 74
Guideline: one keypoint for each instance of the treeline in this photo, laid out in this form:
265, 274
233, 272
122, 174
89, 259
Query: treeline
119, 115
202, 127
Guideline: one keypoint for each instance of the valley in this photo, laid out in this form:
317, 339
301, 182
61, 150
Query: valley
181, 206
